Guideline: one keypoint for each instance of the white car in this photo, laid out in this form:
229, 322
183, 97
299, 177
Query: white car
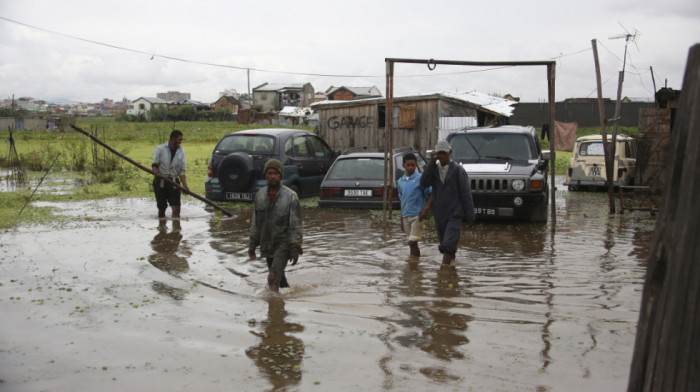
587, 165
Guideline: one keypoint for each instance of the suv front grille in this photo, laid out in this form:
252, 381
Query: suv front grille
490, 185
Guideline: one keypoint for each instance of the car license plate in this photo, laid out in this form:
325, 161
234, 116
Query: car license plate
239, 196
594, 171
485, 211
358, 193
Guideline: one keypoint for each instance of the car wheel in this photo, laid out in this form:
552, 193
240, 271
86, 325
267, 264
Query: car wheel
237, 172
573, 188
296, 190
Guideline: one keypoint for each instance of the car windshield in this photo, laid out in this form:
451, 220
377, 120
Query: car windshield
263, 144
593, 149
360, 169
484, 147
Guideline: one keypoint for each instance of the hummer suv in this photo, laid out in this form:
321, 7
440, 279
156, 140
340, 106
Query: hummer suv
507, 171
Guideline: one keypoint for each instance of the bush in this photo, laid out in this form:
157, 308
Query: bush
76, 158
39, 160
126, 178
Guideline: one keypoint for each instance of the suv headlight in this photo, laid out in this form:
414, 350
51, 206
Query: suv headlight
518, 185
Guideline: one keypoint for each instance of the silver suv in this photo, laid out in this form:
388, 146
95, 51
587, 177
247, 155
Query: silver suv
507, 170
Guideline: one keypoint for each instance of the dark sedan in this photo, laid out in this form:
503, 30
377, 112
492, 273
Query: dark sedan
356, 179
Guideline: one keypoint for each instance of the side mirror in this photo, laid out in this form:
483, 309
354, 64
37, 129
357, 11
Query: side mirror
336, 153
546, 155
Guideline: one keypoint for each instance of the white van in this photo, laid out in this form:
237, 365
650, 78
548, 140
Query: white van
587, 165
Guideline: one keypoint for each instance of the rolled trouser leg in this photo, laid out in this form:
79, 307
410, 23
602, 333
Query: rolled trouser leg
450, 237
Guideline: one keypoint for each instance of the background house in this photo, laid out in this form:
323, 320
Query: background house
227, 102
173, 96
419, 121
273, 97
198, 106
345, 93
143, 105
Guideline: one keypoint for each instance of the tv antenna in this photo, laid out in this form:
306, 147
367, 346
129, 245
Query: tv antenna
628, 37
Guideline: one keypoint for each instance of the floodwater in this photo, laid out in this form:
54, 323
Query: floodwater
112, 300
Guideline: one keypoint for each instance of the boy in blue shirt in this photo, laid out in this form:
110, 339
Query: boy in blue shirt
415, 202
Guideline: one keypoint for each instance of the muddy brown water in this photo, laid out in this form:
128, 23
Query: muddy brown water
110, 300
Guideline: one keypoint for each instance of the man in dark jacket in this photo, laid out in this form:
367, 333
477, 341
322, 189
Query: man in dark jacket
452, 198
276, 225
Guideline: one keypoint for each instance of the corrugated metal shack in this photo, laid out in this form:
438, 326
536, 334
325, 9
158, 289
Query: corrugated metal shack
419, 121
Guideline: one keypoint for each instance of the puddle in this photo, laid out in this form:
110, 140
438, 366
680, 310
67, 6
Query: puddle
115, 300
52, 184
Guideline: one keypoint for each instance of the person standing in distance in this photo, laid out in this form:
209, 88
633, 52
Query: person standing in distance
452, 198
276, 226
415, 202
169, 161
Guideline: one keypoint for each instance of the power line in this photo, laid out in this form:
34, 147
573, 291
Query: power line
154, 55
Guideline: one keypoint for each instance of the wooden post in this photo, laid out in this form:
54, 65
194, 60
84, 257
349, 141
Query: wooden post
666, 355
390, 105
603, 121
388, 141
552, 142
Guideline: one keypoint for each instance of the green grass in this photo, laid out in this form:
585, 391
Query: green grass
37, 149
74, 159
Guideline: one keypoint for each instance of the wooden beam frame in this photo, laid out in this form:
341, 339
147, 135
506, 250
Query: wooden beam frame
432, 63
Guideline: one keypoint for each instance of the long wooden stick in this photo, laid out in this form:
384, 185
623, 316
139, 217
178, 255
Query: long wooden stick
39, 184
147, 170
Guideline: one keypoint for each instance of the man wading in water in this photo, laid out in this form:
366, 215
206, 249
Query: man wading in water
276, 226
169, 161
452, 198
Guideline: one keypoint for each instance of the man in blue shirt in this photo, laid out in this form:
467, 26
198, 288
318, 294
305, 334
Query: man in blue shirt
415, 202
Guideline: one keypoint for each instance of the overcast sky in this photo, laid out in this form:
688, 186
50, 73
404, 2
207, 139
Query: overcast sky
89, 50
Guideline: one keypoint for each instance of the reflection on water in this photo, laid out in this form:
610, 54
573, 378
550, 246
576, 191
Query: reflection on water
430, 321
522, 309
523, 305
279, 354
165, 244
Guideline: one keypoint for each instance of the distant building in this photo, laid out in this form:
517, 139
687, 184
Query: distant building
227, 102
25, 102
320, 96
273, 97
198, 106
346, 93
420, 120
230, 92
143, 105
173, 96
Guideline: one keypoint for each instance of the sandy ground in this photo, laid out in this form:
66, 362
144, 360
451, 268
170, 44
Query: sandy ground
113, 301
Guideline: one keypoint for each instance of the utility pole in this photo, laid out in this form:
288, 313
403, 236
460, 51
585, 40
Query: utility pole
610, 161
250, 99
653, 81
603, 121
